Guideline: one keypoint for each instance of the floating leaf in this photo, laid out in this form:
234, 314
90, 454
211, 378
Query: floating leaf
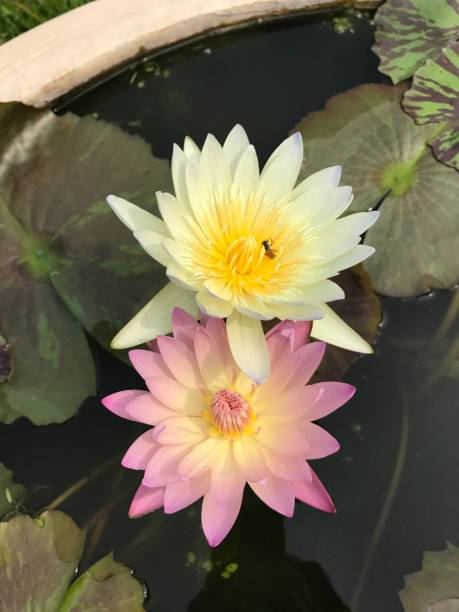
10, 492
434, 94
39, 558
386, 158
66, 259
446, 147
409, 32
435, 588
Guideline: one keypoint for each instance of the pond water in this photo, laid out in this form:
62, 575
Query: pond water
395, 479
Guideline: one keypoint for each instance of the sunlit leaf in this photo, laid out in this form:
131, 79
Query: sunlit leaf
67, 262
10, 492
39, 558
409, 32
446, 147
387, 159
435, 588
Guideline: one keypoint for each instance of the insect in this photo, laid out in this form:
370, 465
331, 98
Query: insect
271, 253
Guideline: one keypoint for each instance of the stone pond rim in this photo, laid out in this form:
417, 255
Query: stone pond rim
68, 52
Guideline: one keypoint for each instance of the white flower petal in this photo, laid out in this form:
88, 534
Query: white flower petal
334, 330
178, 165
152, 243
181, 277
236, 142
174, 214
305, 312
213, 168
351, 258
190, 148
253, 307
358, 223
326, 178
248, 346
321, 205
282, 168
321, 291
213, 306
155, 317
134, 217
247, 174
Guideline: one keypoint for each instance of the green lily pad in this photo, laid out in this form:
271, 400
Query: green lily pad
409, 32
387, 159
435, 588
10, 492
67, 264
434, 98
38, 561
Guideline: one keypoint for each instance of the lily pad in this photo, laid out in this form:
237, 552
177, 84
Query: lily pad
409, 32
5, 363
67, 263
434, 98
386, 157
10, 492
39, 558
435, 588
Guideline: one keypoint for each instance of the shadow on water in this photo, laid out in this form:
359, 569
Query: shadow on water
394, 481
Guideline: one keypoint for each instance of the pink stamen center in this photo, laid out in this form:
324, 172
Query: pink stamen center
230, 411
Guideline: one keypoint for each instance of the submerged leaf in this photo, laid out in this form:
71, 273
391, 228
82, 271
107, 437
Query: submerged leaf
38, 561
10, 492
409, 32
435, 588
387, 159
65, 257
5, 362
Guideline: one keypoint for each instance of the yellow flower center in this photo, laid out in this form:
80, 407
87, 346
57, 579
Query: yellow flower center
245, 255
230, 413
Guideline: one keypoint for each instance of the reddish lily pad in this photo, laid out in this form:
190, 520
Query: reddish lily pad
67, 263
409, 32
435, 588
39, 560
386, 157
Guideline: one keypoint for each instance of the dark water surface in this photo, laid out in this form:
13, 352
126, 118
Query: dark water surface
395, 479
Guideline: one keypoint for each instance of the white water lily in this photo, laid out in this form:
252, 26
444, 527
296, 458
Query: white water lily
248, 246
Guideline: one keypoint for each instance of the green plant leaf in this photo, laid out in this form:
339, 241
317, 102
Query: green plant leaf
10, 492
66, 260
387, 159
409, 32
435, 588
38, 561
106, 582
446, 147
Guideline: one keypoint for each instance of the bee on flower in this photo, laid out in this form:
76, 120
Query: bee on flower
213, 430
248, 246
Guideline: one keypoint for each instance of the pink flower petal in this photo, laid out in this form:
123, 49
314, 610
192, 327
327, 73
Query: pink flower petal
226, 481
328, 397
174, 395
250, 459
180, 430
297, 332
146, 499
181, 361
181, 494
199, 459
314, 494
311, 356
321, 443
217, 519
146, 409
162, 468
287, 467
284, 439
118, 402
278, 345
183, 326
215, 367
140, 452
148, 363
277, 494
287, 407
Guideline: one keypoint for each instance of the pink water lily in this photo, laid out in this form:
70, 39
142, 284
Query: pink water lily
215, 430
